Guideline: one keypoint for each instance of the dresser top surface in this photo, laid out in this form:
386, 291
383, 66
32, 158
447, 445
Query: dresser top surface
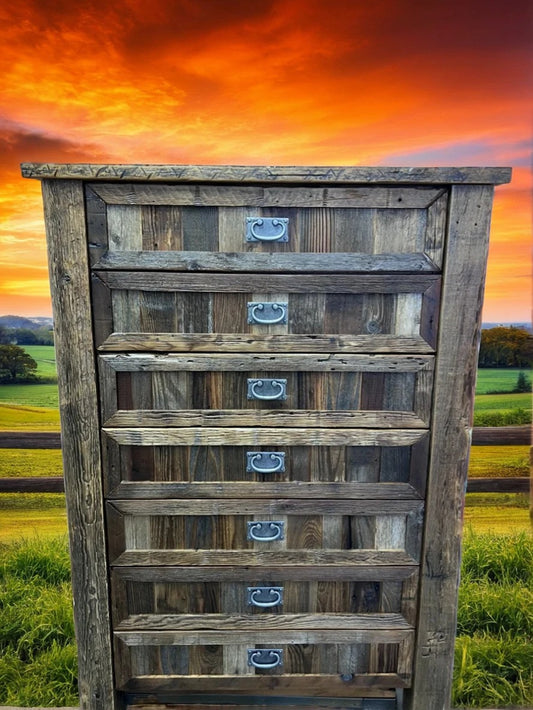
268, 174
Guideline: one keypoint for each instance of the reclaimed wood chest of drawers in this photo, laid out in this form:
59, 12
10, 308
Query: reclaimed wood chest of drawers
266, 385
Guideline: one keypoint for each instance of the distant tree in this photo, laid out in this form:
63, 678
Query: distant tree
506, 347
25, 336
16, 365
5, 336
523, 383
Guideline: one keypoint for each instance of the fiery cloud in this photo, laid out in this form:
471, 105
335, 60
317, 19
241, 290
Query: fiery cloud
391, 82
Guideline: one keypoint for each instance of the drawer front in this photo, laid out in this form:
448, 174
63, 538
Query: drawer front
294, 390
156, 599
316, 663
183, 464
191, 312
246, 527
241, 228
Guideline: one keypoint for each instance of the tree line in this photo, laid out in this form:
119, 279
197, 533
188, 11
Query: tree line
506, 347
26, 336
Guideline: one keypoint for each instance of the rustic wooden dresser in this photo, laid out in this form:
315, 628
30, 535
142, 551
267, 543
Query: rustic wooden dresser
266, 384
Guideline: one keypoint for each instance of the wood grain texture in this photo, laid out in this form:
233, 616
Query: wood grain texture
465, 260
255, 558
265, 262
249, 283
241, 419
278, 685
266, 196
69, 276
235, 342
266, 622
267, 174
269, 436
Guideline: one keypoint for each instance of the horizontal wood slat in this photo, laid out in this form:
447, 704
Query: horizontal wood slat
30, 440
258, 558
244, 506
235, 342
130, 490
201, 362
236, 418
263, 636
309, 573
268, 622
266, 174
246, 283
296, 685
153, 436
264, 262
259, 196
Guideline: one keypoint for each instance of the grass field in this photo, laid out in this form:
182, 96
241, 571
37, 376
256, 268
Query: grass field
498, 461
15, 417
498, 379
15, 463
33, 395
493, 648
45, 357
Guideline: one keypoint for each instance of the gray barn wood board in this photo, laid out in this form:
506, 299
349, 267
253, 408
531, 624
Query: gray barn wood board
297, 541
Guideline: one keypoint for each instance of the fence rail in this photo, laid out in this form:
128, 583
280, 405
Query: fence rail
481, 436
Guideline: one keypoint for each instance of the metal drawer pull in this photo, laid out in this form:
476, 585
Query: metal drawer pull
265, 530
273, 313
265, 658
265, 596
267, 229
255, 461
271, 389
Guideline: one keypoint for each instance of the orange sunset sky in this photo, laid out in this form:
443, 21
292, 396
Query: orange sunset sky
283, 82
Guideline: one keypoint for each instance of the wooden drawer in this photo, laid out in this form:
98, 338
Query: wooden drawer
253, 312
204, 227
238, 531
157, 593
268, 463
223, 390
320, 662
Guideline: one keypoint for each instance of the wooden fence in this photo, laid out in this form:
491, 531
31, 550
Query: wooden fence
482, 436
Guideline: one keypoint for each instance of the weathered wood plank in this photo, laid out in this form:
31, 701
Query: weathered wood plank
30, 440
265, 622
256, 558
69, 276
493, 435
32, 484
264, 196
290, 635
330, 490
251, 506
269, 262
520, 484
264, 418
343, 283
134, 362
247, 437
466, 253
285, 685
267, 174
235, 342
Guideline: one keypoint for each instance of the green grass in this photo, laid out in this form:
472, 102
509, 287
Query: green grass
498, 379
37, 649
45, 357
33, 395
493, 665
502, 402
15, 417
